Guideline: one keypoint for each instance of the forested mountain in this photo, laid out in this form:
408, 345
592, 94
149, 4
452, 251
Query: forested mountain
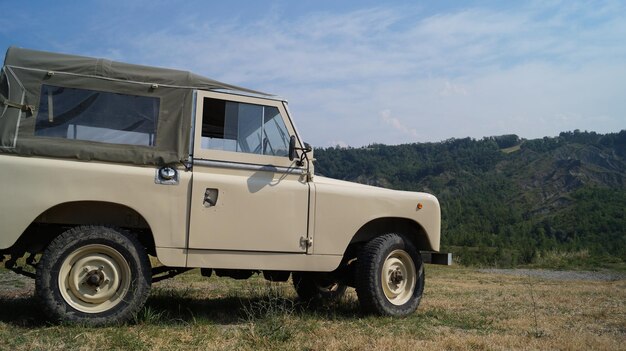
507, 200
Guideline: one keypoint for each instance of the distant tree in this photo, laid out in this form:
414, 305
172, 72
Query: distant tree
505, 141
505, 208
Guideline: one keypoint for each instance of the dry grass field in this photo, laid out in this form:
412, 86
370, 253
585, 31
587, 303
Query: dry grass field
462, 309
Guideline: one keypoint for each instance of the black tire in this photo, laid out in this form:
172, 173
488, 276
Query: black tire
311, 286
398, 294
93, 275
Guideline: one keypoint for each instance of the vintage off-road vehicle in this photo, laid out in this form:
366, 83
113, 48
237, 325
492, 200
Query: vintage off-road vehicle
105, 163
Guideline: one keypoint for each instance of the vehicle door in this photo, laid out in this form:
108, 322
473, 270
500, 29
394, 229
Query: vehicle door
246, 193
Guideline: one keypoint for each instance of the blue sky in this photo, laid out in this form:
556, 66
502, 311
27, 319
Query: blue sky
359, 72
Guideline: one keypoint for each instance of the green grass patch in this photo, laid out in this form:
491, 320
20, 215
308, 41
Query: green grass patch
460, 319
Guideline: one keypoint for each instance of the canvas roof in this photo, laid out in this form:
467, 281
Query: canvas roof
98, 67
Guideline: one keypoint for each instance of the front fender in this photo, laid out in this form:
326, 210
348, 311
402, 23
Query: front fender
343, 208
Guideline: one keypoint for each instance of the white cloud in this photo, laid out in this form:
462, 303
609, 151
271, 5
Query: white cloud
396, 124
474, 71
449, 88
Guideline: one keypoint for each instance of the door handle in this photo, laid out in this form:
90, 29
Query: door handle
210, 197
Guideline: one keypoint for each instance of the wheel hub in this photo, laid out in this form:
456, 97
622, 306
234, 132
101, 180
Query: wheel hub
94, 278
398, 277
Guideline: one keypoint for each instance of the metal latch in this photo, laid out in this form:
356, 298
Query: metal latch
306, 242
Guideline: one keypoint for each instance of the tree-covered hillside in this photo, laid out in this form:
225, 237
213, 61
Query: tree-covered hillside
506, 200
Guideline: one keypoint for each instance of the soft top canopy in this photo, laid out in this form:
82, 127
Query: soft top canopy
98, 67
84, 108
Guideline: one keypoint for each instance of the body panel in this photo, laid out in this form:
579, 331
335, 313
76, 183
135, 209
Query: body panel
342, 208
255, 210
35, 185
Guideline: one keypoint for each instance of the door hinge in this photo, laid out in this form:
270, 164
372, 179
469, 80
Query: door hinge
305, 243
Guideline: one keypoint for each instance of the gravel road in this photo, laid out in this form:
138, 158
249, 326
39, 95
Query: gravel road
559, 275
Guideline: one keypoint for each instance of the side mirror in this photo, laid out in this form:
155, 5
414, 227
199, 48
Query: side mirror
292, 148
292, 151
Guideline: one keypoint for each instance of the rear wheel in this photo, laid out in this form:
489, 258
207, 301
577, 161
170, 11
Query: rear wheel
313, 286
93, 275
390, 276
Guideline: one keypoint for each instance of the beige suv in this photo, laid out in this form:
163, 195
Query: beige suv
105, 163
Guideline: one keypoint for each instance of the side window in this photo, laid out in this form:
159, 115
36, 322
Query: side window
241, 127
92, 115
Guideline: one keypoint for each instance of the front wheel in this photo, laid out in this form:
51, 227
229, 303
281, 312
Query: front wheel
390, 276
93, 275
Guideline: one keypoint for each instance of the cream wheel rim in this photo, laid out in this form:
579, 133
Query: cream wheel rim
94, 278
398, 277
